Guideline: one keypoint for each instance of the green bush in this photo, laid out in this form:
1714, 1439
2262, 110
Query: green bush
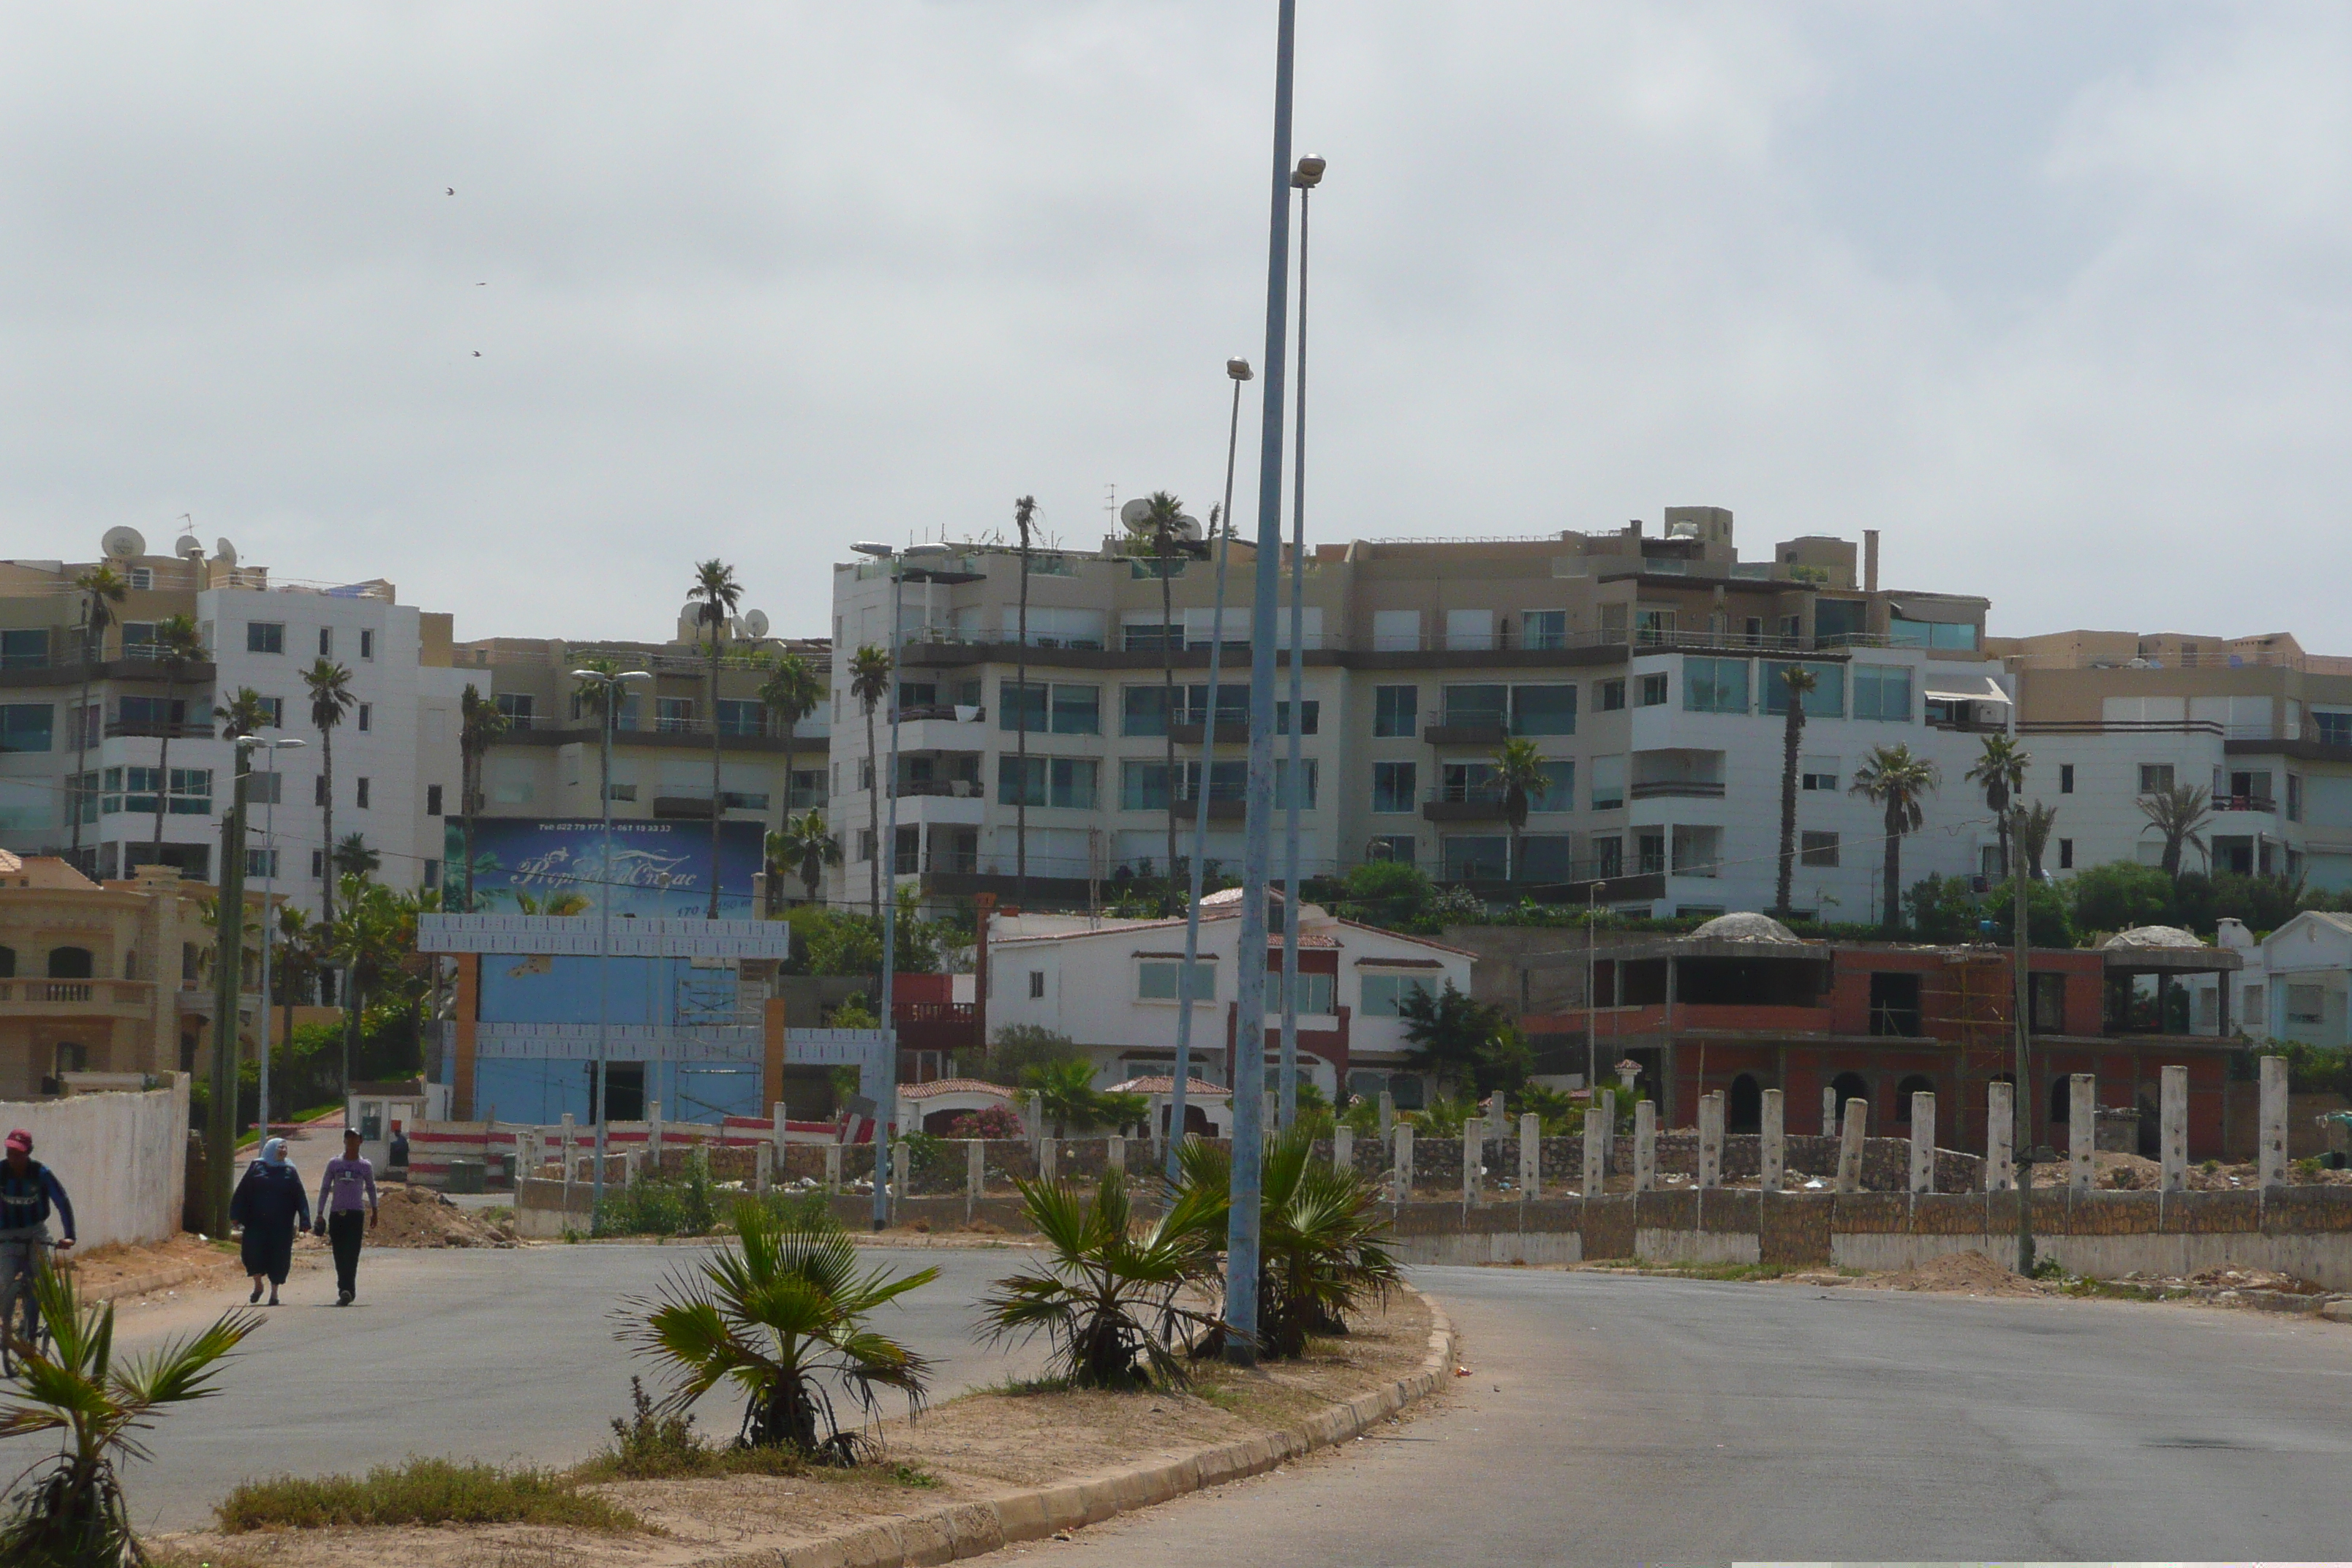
420, 1491
683, 1205
2314, 1070
2120, 895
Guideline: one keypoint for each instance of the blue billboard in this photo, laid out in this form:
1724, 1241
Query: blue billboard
556, 866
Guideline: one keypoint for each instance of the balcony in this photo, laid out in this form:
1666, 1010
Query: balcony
2259, 803
952, 789
1678, 789
152, 731
1473, 804
1230, 732
1479, 727
70, 997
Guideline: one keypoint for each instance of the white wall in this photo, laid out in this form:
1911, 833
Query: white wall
121, 1158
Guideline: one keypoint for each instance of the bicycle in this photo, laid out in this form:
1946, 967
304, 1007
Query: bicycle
15, 1290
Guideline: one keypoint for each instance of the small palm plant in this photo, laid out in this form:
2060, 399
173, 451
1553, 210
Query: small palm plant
1064, 1092
73, 1510
1323, 1248
1108, 1295
781, 1314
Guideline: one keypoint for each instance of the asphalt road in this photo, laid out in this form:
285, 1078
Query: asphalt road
488, 1354
1616, 1419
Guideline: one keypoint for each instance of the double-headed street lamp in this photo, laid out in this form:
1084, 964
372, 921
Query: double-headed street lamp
609, 683
916, 563
268, 920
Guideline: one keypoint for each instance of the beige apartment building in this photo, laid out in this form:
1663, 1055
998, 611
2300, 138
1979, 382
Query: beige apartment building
1642, 663
2262, 726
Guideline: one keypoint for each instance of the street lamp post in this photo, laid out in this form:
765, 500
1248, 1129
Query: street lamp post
609, 699
1305, 177
268, 888
1239, 370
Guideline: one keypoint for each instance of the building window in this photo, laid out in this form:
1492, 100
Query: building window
2250, 1000
2335, 728
1312, 995
2047, 1003
264, 789
1151, 636
1825, 701
326, 642
1559, 792
1042, 709
1544, 629
2307, 1004
1309, 716
26, 726
1650, 852
319, 789
362, 795
317, 863
1395, 786
1307, 770
366, 716
265, 636
2295, 798
192, 792
1609, 696
1818, 849
517, 708
674, 715
1546, 858
25, 649
1383, 994
1818, 773
1036, 984
1156, 980
1948, 635
1651, 692
1607, 783
1478, 707
1543, 710
432, 870
741, 716
1882, 691
865, 845
1395, 712
1078, 710
2065, 854
1608, 851
2066, 778
1142, 712
261, 863
431, 800
1399, 847
1459, 781
367, 643
1480, 858
1047, 781
624, 792
1715, 685
2155, 778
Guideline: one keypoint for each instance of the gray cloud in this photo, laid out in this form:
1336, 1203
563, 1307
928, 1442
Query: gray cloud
2057, 303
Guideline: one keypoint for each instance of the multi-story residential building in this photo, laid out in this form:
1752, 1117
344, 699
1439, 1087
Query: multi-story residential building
2264, 726
547, 762
1644, 667
121, 718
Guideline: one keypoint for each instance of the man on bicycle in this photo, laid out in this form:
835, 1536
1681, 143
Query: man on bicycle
29, 1190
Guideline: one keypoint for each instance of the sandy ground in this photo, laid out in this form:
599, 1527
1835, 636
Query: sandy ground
980, 1445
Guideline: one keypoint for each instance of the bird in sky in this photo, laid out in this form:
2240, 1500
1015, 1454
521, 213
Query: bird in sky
452, 191
478, 353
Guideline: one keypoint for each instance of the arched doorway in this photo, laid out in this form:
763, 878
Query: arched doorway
1849, 1086
1917, 1083
1743, 1108
69, 963
2061, 1110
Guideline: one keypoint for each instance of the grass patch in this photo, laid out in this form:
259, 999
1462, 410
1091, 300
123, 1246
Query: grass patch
908, 1476
422, 1491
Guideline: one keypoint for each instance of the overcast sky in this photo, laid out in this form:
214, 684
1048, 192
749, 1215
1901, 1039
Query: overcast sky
2056, 295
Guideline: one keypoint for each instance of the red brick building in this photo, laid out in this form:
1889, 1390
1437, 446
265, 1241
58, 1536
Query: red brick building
1741, 1005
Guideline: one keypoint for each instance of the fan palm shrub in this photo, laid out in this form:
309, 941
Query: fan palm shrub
715, 597
101, 587
780, 1314
1109, 1295
69, 1510
1897, 780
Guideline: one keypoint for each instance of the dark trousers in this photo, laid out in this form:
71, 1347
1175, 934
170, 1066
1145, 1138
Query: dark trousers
344, 1229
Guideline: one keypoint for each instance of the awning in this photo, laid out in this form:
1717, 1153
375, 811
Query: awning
1965, 689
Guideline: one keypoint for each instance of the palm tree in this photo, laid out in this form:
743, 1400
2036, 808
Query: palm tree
805, 845
1160, 532
1518, 782
1799, 680
479, 727
1025, 518
1108, 1294
300, 941
329, 685
592, 696
352, 858
103, 588
74, 1511
244, 714
779, 1314
2177, 812
869, 682
178, 645
1898, 781
791, 693
1999, 770
1065, 1093
715, 592
367, 940
2033, 825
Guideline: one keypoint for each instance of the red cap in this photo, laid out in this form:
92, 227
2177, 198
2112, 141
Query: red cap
20, 1142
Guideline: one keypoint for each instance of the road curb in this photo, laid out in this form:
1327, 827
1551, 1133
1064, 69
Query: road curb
971, 1530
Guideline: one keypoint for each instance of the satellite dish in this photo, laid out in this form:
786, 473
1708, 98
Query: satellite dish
1136, 514
225, 553
756, 623
1187, 525
189, 548
123, 544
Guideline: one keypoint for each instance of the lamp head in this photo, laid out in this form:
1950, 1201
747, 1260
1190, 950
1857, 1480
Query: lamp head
1309, 173
1239, 369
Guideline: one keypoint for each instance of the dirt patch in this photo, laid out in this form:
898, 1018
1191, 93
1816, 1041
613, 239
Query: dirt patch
419, 1216
968, 1451
103, 1273
1964, 1273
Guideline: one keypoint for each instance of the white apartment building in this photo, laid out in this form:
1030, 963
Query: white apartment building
1643, 667
396, 761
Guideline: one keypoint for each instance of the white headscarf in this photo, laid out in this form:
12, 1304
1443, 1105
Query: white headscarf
273, 1152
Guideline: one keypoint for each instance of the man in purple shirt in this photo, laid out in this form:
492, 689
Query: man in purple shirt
348, 1181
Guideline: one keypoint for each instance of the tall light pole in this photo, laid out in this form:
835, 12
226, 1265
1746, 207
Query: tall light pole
1239, 370
886, 1110
608, 699
268, 921
2021, 1098
1242, 1233
1305, 177
228, 965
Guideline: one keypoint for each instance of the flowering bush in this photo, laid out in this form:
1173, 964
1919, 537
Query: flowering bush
996, 1121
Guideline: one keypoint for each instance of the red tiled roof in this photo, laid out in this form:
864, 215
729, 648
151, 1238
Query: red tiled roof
939, 1086
1195, 1089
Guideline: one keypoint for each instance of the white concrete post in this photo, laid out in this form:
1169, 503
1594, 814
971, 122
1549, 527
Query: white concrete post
1402, 1176
1923, 1141
764, 1157
1850, 1140
975, 1175
1530, 1156
833, 1167
899, 1171
2000, 1137
1829, 1113
1773, 1153
777, 1113
1596, 1144
2172, 1113
1473, 1158
1606, 1102
653, 1135
2082, 1127
1343, 1148
1049, 1160
567, 1157
1388, 1115
2273, 1149
1114, 1153
1645, 1145
1710, 1139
